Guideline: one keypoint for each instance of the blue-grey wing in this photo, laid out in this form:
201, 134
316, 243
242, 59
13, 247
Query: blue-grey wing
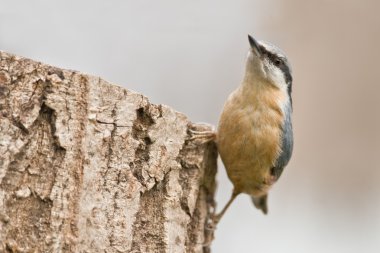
286, 144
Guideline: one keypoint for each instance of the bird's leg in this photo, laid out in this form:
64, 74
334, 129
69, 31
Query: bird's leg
217, 217
202, 132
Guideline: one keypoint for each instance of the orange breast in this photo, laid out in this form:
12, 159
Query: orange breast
249, 138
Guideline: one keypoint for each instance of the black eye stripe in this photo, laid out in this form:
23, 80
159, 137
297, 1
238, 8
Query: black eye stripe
284, 67
272, 57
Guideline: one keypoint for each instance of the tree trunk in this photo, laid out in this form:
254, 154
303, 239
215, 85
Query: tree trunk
87, 166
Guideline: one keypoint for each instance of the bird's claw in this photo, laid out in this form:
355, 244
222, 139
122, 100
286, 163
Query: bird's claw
201, 132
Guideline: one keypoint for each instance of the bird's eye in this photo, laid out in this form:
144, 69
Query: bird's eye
277, 62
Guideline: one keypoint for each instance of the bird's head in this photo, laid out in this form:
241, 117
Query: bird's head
267, 63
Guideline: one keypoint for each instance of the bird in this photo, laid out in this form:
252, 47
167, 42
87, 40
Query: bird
254, 136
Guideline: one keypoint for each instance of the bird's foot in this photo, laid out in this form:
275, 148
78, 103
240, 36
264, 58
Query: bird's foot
212, 222
201, 132
210, 228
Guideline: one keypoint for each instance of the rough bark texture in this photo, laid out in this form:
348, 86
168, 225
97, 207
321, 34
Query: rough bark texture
86, 166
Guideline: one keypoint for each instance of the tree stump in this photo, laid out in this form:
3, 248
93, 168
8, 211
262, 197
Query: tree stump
87, 166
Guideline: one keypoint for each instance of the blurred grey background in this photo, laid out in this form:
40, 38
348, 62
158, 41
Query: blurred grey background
190, 55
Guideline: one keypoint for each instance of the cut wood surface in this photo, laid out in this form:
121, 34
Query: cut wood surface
88, 166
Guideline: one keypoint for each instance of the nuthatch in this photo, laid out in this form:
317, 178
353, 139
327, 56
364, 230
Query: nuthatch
254, 136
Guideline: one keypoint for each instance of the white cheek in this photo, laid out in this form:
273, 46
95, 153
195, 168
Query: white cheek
276, 76
278, 79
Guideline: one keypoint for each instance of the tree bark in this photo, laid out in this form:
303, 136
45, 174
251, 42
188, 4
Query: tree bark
87, 166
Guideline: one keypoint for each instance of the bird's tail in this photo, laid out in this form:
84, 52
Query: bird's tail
261, 203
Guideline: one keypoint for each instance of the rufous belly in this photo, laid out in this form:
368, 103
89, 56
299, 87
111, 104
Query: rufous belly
249, 139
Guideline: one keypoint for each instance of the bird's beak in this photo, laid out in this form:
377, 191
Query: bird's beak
254, 45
